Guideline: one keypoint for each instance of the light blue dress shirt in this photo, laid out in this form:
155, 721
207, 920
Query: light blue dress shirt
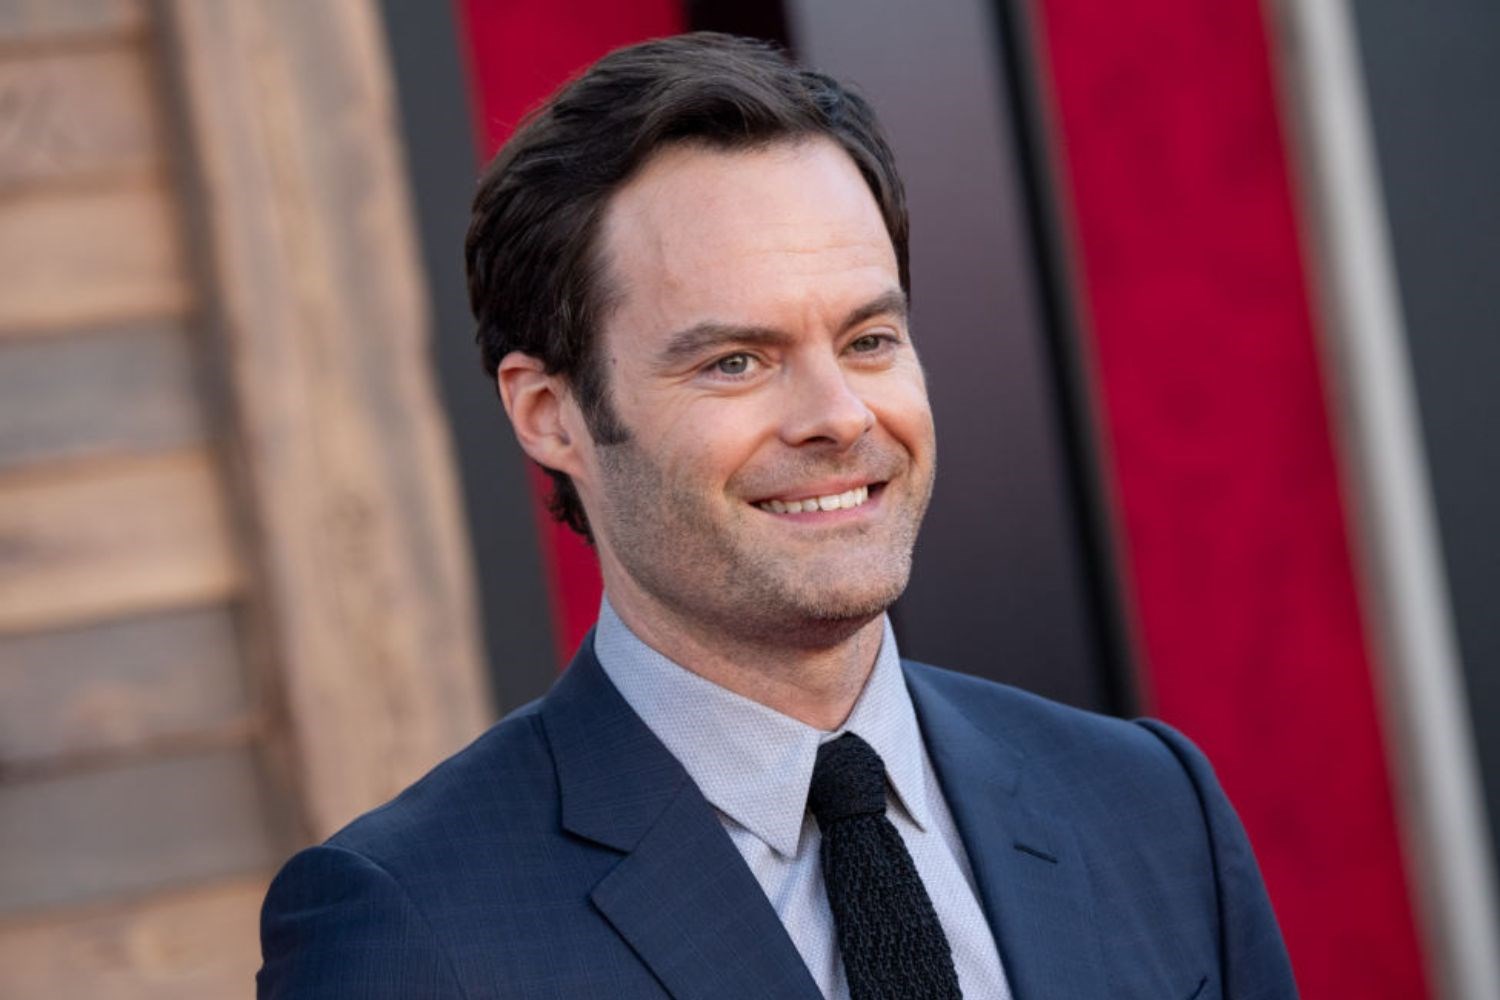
754, 765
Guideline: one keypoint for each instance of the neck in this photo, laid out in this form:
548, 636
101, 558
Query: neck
814, 678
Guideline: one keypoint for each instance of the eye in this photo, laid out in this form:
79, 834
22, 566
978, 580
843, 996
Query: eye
871, 343
733, 365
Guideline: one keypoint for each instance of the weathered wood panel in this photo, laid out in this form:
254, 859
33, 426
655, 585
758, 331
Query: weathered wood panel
101, 539
190, 945
318, 286
139, 826
131, 389
119, 685
36, 21
89, 257
75, 115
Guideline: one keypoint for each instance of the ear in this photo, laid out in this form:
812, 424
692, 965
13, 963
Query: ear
547, 422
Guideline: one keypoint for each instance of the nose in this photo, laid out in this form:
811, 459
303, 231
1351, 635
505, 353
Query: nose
824, 408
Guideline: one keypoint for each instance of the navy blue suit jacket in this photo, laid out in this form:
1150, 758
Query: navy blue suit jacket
566, 853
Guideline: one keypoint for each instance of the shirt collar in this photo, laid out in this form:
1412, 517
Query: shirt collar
751, 762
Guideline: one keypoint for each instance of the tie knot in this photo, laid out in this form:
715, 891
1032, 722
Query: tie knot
848, 780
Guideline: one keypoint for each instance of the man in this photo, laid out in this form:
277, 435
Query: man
689, 271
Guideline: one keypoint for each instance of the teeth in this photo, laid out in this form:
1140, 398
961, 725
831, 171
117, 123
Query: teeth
847, 500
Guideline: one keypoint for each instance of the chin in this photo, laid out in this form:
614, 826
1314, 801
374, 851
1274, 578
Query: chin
811, 633
858, 607
814, 617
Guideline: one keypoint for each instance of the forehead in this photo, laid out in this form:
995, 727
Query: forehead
702, 233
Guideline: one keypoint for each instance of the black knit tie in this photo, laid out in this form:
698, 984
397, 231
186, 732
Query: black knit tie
889, 935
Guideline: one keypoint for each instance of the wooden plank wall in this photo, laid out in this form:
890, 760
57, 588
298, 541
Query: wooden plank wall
132, 802
234, 608
324, 322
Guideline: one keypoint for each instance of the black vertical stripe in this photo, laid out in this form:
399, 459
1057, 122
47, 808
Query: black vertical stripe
442, 163
754, 19
1072, 393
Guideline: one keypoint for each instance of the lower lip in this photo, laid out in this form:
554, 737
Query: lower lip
831, 517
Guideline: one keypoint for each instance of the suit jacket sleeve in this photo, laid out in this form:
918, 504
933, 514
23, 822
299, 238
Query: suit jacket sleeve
335, 924
1253, 958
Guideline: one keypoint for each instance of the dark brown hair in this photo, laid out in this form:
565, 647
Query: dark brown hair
536, 280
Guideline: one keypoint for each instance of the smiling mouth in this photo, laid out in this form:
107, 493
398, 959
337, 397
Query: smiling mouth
847, 500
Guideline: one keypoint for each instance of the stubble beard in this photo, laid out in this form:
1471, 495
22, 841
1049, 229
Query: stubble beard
709, 572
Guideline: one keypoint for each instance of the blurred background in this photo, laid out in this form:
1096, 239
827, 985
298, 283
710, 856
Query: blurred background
1203, 288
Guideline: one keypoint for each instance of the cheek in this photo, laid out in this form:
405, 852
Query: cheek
709, 442
902, 408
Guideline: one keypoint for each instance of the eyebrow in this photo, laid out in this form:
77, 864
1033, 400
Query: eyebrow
702, 338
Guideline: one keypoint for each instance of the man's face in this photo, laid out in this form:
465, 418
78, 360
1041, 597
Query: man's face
780, 452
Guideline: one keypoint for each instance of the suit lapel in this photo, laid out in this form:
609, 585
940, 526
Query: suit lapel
1031, 877
681, 897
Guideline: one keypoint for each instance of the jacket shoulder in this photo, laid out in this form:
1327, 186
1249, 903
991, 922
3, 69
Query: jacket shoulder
504, 779
386, 906
1161, 841
1052, 734
334, 924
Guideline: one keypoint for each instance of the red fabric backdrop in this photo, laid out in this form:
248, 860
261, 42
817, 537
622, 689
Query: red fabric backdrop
519, 52
1222, 463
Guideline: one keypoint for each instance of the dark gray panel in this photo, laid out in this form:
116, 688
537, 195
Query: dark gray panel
1001, 586
443, 165
1433, 78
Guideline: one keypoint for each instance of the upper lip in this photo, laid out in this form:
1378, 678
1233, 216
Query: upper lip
830, 487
